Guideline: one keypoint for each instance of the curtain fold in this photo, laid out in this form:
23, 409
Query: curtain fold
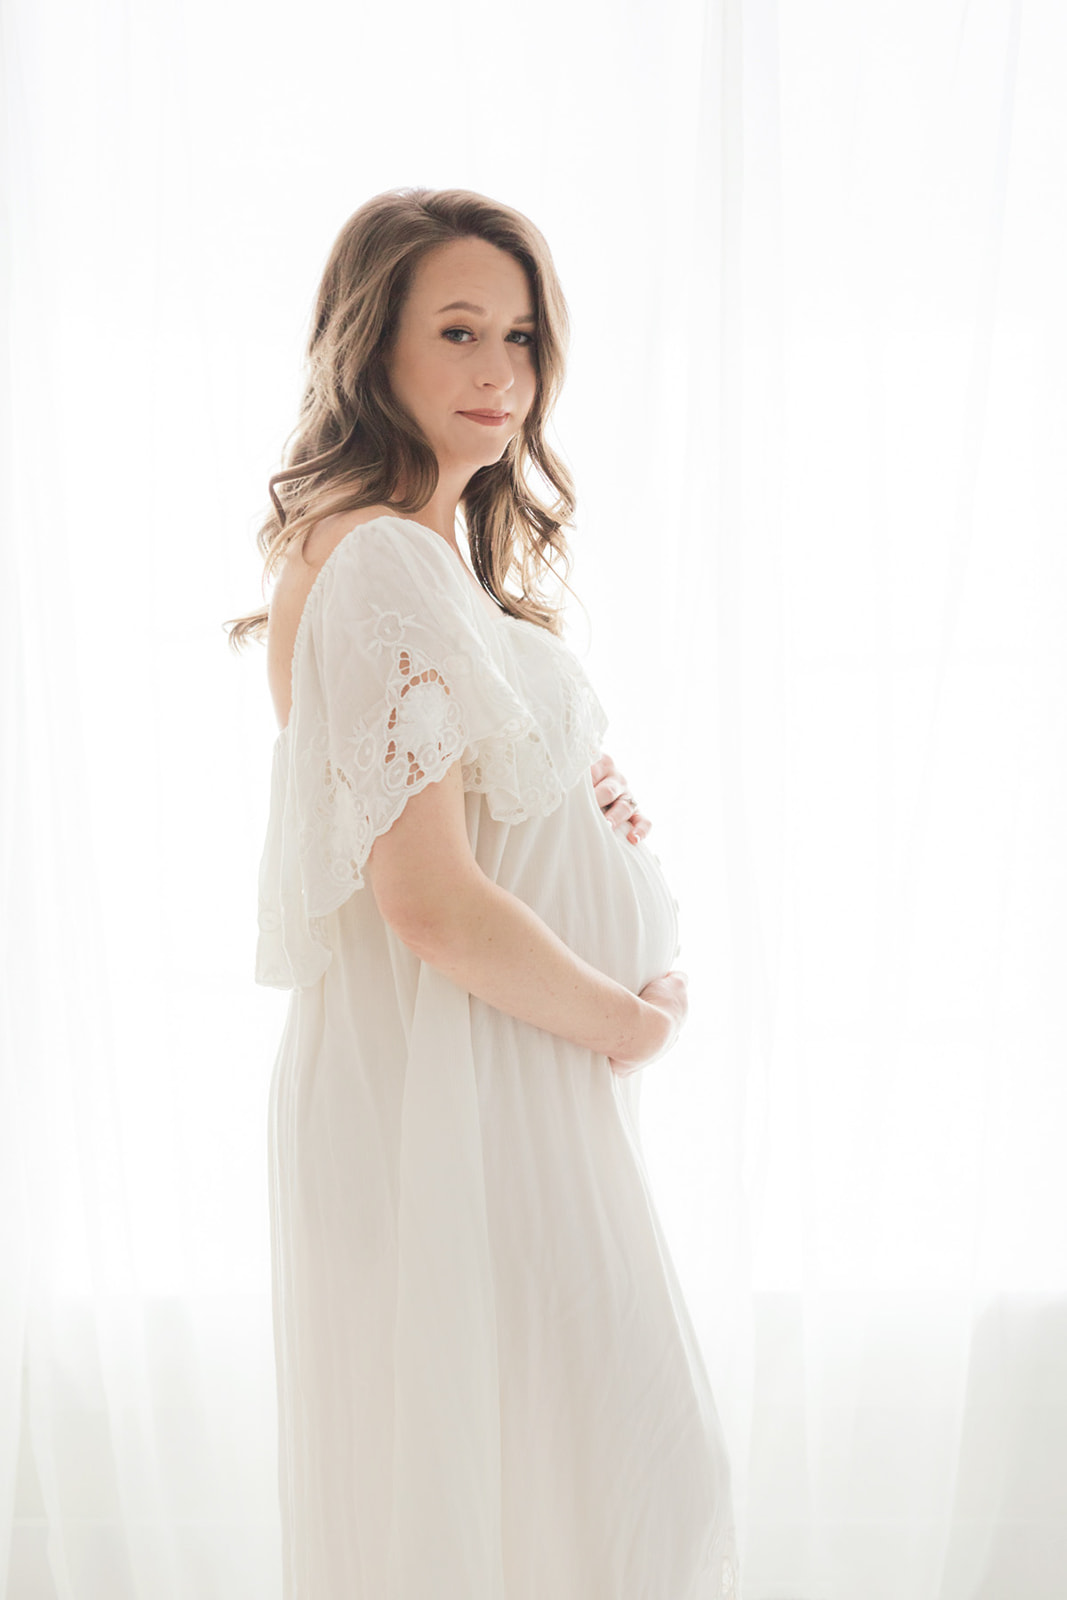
815, 409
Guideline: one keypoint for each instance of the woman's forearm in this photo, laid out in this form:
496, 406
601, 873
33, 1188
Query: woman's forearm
494, 945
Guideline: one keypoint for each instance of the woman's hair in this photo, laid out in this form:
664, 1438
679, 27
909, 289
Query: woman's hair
354, 444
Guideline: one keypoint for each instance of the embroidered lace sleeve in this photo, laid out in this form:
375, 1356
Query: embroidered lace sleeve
394, 679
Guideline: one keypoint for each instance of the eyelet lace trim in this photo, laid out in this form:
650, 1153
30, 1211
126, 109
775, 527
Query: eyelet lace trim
424, 730
346, 786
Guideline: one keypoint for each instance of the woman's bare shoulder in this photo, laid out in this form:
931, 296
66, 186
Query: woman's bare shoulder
327, 534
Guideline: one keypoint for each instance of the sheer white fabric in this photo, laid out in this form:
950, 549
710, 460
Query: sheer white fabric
488, 1381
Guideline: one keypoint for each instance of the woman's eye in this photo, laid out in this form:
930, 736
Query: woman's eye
529, 338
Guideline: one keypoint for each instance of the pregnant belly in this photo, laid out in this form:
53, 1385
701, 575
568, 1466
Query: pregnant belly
607, 899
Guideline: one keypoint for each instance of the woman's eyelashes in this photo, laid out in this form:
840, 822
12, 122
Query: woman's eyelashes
529, 337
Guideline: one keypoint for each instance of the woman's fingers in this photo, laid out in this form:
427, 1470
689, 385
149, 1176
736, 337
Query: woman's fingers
615, 800
621, 812
602, 767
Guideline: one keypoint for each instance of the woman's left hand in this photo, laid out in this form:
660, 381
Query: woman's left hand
615, 799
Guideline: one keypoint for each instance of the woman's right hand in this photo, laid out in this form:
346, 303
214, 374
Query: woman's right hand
670, 997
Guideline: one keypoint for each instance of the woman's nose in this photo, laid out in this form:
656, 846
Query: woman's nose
496, 365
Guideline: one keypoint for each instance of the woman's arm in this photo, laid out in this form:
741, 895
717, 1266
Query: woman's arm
432, 892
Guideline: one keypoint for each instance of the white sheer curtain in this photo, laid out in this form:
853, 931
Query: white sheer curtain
816, 409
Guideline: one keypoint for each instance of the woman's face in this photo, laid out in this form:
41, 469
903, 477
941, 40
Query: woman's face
448, 360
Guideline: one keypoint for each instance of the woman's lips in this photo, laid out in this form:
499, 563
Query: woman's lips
491, 419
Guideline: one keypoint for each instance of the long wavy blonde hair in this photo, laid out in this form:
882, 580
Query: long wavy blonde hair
354, 444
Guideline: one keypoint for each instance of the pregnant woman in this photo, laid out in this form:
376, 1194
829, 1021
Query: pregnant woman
489, 1386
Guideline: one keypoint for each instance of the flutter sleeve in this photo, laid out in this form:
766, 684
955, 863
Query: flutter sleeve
393, 681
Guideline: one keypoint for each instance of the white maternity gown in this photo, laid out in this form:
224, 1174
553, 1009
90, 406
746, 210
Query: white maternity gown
489, 1387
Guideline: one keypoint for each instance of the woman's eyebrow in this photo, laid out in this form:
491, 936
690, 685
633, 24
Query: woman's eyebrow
465, 305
